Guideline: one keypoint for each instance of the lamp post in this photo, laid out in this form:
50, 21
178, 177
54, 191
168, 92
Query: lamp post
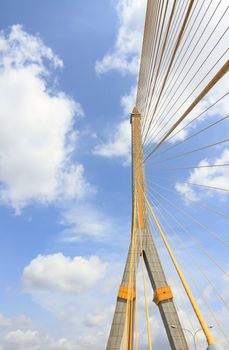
192, 334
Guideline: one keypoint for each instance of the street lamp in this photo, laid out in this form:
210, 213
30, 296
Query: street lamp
192, 334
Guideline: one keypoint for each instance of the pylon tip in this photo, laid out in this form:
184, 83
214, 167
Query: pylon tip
135, 110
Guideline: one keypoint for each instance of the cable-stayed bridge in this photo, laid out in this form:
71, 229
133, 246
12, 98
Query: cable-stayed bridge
180, 179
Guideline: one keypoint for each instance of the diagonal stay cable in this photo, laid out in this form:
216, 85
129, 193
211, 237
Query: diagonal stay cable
182, 278
190, 200
191, 2
191, 276
211, 187
164, 45
194, 239
154, 59
198, 116
194, 220
188, 34
151, 12
223, 70
169, 49
193, 201
190, 94
192, 151
183, 103
146, 82
194, 184
197, 71
193, 167
199, 266
194, 134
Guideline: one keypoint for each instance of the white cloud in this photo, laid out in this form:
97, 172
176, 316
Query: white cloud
119, 141
99, 317
124, 57
4, 322
63, 274
19, 321
63, 344
72, 290
214, 177
19, 48
21, 334
186, 191
33, 340
86, 323
128, 101
85, 221
22, 340
119, 145
36, 138
73, 183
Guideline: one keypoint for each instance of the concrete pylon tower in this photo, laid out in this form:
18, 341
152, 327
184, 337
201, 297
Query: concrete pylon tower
142, 243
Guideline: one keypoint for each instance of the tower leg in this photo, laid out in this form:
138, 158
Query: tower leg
118, 323
167, 308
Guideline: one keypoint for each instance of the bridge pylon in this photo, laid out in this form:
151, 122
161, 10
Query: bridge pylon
142, 245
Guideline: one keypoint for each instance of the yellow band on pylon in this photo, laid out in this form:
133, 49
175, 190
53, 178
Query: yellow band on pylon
161, 294
126, 293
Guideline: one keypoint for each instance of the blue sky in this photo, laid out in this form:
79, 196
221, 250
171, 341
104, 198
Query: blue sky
68, 73
74, 33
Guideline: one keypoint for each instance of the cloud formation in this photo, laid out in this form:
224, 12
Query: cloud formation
214, 177
124, 56
36, 135
118, 144
62, 274
77, 223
